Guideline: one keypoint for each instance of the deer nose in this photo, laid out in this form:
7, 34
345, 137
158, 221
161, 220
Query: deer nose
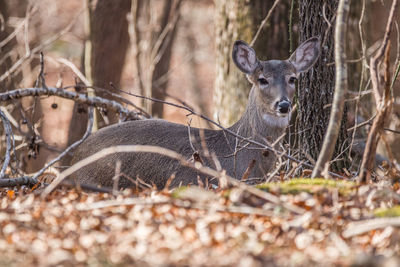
284, 106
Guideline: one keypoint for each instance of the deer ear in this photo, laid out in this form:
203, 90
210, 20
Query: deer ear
306, 54
244, 57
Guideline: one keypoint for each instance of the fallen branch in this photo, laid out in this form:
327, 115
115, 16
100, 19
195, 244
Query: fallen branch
182, 204
11, 182
87, 187
358, 228
80, 98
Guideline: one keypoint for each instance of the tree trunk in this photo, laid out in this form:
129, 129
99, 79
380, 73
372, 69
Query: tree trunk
159, 81
9, 55
6, 59
110, 40
240, 20
315, 90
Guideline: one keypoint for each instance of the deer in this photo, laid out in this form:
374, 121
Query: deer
265, 119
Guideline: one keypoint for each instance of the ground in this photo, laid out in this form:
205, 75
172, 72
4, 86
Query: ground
302, 222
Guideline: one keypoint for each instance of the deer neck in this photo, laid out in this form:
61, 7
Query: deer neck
258, 126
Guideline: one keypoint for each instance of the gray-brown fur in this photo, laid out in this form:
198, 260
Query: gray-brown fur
263, 121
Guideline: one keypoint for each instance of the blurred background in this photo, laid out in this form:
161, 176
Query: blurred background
174, 50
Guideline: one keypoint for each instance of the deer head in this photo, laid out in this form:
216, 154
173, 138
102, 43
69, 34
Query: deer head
274, 80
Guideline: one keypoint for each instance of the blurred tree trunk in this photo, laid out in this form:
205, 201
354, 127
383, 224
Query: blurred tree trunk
392, 141
5, 50
109, 43
9, 54
153, 33
240, 20
315, 90
6, 61
159, 79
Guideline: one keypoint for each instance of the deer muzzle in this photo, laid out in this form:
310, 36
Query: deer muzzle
284, 106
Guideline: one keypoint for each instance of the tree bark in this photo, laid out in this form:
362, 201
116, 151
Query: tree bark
340, 90
315, 90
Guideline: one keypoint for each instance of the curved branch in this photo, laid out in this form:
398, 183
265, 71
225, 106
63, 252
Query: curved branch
9, 134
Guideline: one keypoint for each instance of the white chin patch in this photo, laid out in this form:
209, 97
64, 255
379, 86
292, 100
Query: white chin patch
275, 121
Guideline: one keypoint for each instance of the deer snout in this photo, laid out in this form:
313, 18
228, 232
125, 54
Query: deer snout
284, 106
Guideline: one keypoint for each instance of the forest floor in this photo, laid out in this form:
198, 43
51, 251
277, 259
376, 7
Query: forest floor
302, 222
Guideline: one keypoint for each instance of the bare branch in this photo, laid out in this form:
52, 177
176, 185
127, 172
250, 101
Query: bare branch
9, 134
378, 90
80, 98
38, 48
383, 100
260, 28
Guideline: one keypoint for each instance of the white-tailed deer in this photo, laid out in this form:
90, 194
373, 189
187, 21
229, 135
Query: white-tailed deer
265, 119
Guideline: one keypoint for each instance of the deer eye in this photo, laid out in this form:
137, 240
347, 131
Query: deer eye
292, 80
263, 81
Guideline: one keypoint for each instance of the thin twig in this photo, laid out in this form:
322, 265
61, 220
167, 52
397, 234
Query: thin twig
290, 27
72, 66
38, 48
260, 28
9, 134
66, 151
375, 60
116, 177
383, 102
395, 77
18, 28
134, 35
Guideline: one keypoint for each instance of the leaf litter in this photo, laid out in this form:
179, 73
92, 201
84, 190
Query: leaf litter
342, 224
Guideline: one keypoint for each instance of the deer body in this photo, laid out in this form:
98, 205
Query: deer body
265, 119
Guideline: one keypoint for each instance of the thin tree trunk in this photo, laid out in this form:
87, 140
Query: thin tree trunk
340, 90
159, 83
109, 43
315, 91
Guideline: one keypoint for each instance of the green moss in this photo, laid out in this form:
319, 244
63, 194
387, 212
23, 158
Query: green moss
178, 192
388, 212
295, 186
